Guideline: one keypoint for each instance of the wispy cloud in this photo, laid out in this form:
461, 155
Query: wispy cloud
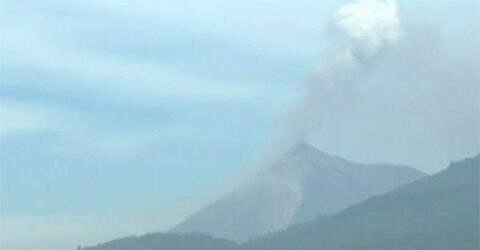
78, 133
32, 42
149, 83
22, 117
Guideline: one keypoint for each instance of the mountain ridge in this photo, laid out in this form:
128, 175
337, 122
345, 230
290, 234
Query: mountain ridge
440, 212
450, 197
165, 241
300, 185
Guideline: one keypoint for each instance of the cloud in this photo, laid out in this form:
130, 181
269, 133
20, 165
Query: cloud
98, 58
75, 133
23, 117
137, 82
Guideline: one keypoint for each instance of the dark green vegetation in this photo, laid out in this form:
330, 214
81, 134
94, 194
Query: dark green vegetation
437, 212
167, 241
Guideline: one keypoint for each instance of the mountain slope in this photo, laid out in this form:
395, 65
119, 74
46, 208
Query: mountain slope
437, 212
166, 241
303, 184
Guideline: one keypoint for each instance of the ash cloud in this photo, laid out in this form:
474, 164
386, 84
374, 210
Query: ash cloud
360, 32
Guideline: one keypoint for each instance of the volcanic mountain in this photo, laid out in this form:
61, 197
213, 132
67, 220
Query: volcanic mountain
303, 184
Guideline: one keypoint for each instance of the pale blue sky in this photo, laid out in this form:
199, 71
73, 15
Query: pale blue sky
121, 117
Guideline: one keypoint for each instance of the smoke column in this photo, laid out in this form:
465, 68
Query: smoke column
359, 33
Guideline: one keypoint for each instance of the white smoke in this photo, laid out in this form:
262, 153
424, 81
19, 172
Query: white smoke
364, 28
360, 32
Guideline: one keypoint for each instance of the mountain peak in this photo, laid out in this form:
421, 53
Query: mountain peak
305, 150
294, 187
303, 146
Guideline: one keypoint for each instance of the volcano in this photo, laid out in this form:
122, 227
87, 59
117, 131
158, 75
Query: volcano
301, 185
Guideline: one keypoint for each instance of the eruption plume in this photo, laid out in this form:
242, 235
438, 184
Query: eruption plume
359, 33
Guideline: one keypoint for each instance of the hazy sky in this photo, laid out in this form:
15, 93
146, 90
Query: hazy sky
122, 117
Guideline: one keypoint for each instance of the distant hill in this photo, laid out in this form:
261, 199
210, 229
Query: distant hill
437, 212
303, 184
166, 241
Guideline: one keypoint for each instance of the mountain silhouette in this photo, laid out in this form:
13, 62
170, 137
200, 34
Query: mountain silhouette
301, 185
436, 212
165, 241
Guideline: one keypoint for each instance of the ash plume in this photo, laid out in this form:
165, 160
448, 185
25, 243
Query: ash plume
360, 31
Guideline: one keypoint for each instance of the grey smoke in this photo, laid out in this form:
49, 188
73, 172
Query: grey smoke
360, 32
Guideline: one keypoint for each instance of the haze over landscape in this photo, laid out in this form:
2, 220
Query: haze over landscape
254, 124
